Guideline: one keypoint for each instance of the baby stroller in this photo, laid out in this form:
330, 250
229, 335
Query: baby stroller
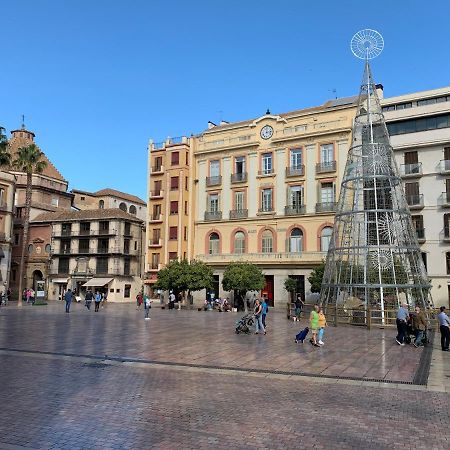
243, 325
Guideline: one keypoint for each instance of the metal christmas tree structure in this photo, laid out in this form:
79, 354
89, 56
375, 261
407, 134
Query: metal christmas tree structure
374, 259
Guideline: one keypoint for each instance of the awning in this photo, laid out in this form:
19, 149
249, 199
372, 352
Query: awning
60, 280
98, 282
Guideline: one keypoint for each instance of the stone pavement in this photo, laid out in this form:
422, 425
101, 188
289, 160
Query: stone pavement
55, 393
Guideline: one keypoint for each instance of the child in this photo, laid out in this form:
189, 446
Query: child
322, 325
147, 306
314, 325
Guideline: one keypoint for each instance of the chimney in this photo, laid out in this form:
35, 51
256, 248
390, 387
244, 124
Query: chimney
224, 122
380, 91
211, 125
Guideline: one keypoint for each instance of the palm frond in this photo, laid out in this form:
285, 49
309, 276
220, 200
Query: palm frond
28, 159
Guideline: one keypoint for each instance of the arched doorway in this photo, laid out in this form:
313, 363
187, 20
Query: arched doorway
37, 276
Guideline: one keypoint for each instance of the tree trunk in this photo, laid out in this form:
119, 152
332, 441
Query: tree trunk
26, 225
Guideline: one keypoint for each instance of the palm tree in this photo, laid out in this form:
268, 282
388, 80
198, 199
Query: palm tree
29, 160
5, 157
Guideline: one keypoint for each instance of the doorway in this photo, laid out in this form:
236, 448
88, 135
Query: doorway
268, 290
213, 293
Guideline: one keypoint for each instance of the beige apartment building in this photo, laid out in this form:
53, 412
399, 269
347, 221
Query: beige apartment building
419, 126
169, 204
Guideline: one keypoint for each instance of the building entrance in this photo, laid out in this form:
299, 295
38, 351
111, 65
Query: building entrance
268, 290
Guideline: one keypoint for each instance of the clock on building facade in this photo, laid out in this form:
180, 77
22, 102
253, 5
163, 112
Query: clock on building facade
266, 132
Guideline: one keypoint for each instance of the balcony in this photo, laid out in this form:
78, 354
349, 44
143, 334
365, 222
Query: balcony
83, 233
324, 167
444, 200
239, 177
155, 218
295, 171
415, 201
445, 234
295, 210
154, 243
296, 258
268, 209
411, 170
238, 214
157, 170
156, 194
326, 207
64, 251
213, 215
154, 267
420, 232
266, 172
213, 181
444, 166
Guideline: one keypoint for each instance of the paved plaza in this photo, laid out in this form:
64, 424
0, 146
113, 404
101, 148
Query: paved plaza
185, 380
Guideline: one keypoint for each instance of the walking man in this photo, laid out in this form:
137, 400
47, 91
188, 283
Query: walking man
402, 324
98, 300
147, 306
419, 323
88, 298
68, 296
444, 328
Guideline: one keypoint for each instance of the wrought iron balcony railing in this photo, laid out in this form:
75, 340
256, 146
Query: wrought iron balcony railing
213, 215
238, 213
328, 166
265, 172
239, 177
411, 170
293, 210
295, 171
213, 181
266, 209
326, 207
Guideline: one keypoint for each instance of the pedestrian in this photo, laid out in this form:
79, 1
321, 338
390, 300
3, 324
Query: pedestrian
98, 299
180, 300
314, 325
258, 317
444, 328
402, 324
68, 296
88, 299
419, 324
299, 303
104, 299
139, 300
8, 296
171, 300
322, 325
264, 311
147, 306
28, 295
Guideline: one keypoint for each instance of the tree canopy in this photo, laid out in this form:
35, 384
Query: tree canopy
242, 277
316, 277
5, 157
185, 276
290, 284
29, 160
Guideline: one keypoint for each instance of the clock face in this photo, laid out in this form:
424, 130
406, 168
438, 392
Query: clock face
266, 132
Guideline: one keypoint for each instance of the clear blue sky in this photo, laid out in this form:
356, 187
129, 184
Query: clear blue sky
97, 78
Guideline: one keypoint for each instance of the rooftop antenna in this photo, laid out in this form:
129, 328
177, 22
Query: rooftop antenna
367, 44
23, 122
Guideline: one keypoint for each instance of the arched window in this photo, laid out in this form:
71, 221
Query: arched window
214, 242
30, 248
133, 210
267, 242
325, 238
296, 241
239, 242
101, 204
48, 248
123, 207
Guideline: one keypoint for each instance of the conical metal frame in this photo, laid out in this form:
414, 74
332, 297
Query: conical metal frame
374, 255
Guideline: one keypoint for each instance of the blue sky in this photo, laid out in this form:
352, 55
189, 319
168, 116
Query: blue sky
97, 79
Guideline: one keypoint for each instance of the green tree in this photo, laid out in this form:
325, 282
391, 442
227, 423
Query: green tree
5, 157
315, 280
28, 160
183, 276
241, 277
290, 285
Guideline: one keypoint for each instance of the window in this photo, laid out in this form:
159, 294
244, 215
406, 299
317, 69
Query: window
102, 265
135, 245
65, 246
66, 228
158, 187
296, 158
173, 207
267, 241
175, 158
83, 246
101, 204
214, 168
326, 153
2, 196
30, 249
185, 208
239, 200
155, 260
266, 200
214, 242
126, 246
126, 266
325, 238
103, 226
83, 198
127, 291
422, 124
158, 164
295, 196
173, 233
174, 183
239, 165
296, 241
55, 201
187, 158
424, 259
412, 193
127, 229
48, 248
267, 167
173, 256
63, 265
123, 206
213, 203
133, 210
239, 242
327, 193
103, 246
447, 260
16, 239
186, 183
